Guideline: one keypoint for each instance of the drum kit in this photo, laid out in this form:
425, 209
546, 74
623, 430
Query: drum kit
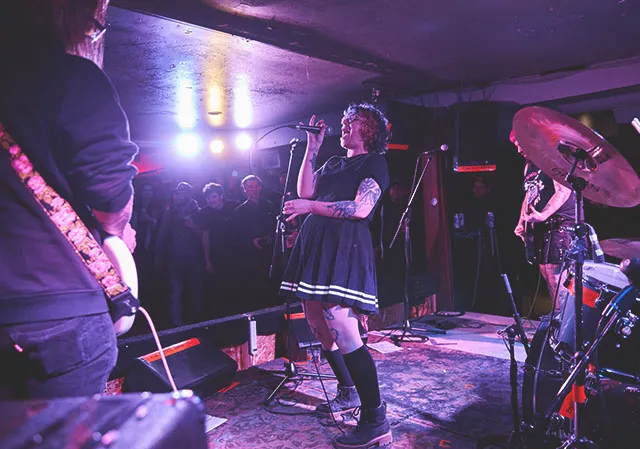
581, 384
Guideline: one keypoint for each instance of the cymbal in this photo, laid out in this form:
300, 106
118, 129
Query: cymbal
550, 139
621, 248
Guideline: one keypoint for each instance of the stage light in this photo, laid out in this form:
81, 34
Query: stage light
186, 104
216, 146
242, 109
243, 141
215, 104
188, 144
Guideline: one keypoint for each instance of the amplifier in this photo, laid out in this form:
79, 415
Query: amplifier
196, 364
141, 421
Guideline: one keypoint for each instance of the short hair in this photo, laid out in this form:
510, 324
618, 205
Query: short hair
375, 126
212, 187
250, 178
71, 22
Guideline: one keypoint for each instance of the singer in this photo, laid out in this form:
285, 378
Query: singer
546, 214
332, 266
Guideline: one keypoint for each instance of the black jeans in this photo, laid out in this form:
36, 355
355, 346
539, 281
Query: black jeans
59, 358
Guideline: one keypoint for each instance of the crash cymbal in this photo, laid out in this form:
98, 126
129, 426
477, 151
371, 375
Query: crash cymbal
550, 139
621, 248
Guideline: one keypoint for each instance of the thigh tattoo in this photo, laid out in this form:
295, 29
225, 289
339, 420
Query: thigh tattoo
328, 315
334, 334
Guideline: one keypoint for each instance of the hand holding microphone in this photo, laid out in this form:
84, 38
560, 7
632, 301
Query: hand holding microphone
315, 132
311, 129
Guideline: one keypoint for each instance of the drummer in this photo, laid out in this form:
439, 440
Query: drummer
546, 216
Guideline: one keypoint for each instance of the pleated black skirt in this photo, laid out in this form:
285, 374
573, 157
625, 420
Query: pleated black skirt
333, 261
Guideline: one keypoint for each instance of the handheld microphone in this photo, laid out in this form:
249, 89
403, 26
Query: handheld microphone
311, 129
443, 147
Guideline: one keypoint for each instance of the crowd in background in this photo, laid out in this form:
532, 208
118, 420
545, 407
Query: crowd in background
203, 254
206, 252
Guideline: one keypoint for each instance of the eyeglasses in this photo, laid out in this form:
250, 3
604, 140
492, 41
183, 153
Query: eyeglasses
350, 119
98, 30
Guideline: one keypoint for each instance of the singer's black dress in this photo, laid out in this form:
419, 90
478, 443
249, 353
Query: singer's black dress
333, 260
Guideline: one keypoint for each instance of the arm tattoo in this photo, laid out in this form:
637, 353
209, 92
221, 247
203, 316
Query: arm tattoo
312, 160
328, 315
369, 192
334, 334
343, 209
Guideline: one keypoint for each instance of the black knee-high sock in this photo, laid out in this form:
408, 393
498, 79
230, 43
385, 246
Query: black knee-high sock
336, 361
365, 376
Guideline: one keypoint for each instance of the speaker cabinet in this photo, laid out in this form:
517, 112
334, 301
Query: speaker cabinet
195, 364
480, 127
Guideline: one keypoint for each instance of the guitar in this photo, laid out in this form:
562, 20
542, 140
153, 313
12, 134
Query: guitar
532, 193
123, 262
68, 222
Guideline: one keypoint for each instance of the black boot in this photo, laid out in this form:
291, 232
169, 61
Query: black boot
346, 400
372, 430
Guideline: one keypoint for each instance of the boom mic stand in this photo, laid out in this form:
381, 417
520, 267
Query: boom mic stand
290, 370
515, 439
405, 221
279, 246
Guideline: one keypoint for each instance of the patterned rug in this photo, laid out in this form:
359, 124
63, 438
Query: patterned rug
436, 398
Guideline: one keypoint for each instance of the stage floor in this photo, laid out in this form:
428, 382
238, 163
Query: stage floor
451, 391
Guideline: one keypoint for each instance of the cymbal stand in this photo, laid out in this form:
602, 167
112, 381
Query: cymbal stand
578, 253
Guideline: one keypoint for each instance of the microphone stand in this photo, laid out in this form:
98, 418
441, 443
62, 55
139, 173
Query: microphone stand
513, 331
408, 334
279, 246
290, 371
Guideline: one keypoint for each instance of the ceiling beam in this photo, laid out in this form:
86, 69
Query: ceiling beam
392, 75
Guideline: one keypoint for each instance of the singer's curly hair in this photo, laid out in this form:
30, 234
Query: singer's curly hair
375, 126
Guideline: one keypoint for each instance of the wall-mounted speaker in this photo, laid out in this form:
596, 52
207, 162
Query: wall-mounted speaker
480, 127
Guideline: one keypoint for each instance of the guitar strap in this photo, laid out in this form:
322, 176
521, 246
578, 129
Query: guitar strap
121, 300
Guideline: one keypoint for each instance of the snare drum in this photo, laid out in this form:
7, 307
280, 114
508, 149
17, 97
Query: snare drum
600, 283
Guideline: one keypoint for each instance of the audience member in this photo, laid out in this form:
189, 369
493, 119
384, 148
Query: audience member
179, 253
215, 220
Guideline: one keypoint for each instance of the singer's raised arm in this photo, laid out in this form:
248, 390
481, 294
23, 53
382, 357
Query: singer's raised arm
308, 176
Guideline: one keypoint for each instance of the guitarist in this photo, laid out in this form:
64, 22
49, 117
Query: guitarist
56, 336
547, 212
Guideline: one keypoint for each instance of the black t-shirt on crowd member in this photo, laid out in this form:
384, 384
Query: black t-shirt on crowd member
218, 223
65, 114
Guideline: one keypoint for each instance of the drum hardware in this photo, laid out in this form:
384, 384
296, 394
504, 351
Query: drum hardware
579, 158
625, 325
618, 306
618, 375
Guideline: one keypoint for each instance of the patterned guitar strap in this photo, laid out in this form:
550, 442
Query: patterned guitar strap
121, 300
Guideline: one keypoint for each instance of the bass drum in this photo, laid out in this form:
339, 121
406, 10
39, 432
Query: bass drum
612, 411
